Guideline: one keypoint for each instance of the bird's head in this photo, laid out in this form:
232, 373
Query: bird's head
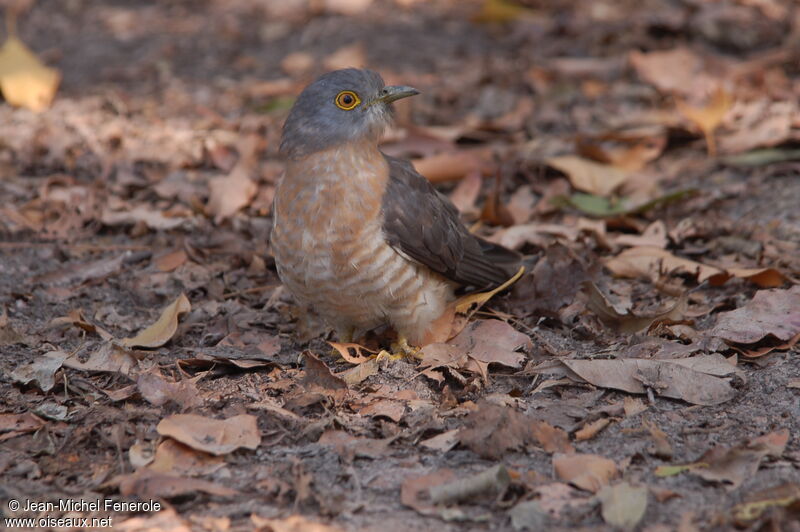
340, 106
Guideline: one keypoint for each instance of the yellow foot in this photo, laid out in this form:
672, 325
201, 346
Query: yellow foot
401, 349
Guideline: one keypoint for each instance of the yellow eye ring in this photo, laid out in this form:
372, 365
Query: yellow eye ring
347, 100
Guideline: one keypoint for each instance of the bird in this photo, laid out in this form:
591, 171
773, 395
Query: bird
360, 238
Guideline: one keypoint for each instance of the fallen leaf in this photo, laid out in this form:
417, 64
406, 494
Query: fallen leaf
629, 151
770, 312
13, 425
648, 261
358, 358
160, 332
24, 79
75, 317
589, 176
360, 372
387, 408
676, 71
171, 261
629, 323
176, 458
733, 465
107, 357
552, 439
442, 442
146, 484
350, 447
319, 378
158, 391
757, 503
586, 471
529, 515
214, 436
661, 446
709, 117
633, 406
415, 490
697, 380
590, 430
623, 505
41, 371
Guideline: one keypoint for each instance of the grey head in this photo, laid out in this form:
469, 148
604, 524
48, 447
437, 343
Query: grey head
340, 106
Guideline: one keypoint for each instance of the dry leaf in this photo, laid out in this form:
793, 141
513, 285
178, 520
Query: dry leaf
697, 380
589, 176
215, 436
623, 505
629, 323
770, 312
41, 371
709, 117
146, 484
178, 459
160, 332
108, 357
585, 471
293, 523
171, 261
24, 80
590, 430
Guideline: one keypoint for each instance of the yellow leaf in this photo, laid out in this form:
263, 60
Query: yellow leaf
24, 79
160, 332
709, 117
464, 303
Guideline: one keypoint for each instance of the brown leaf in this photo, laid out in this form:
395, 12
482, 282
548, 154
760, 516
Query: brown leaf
158, 391
24, 79
586, 471
175, 458
387, 408
695, 379
646, 261
415, 490
358, 358
41, 371
13, 425
629, 323
146, 484
108, 357
734, 465
589, 176
662, 447
228, 194
319, 378
552, 439
442, 442
349, 447
171, 261
770, 312
627, 151
590, 430
678, 71
491, 430
160, 332
215, 436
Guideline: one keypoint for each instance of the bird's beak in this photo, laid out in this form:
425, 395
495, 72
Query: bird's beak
393, 93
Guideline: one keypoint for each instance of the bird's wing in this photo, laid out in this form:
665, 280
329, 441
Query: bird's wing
423, 224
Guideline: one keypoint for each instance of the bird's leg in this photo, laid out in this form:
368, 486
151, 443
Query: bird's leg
402, 349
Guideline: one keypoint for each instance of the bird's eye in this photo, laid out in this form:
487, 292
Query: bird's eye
347, 100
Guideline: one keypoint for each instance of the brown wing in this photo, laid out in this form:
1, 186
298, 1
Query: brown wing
424, 225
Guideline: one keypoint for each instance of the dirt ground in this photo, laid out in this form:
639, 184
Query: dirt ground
644, 155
